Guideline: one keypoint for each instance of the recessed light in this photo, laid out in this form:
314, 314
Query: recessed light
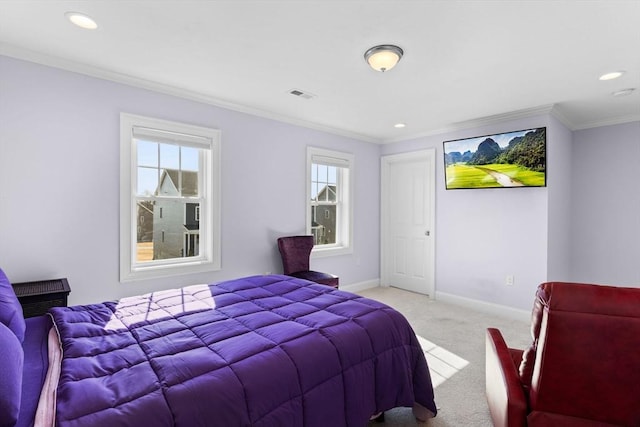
399, 125
623, 92
612, 75
81, 20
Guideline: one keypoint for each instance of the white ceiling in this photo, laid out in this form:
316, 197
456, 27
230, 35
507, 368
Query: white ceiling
464, 60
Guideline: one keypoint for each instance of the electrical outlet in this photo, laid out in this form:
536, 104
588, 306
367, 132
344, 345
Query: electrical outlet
509, 280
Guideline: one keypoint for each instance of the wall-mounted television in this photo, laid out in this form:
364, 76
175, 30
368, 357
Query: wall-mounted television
511, 159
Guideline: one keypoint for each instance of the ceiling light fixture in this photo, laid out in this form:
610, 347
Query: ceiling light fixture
383, 57
81, 20
399, 125
612, 75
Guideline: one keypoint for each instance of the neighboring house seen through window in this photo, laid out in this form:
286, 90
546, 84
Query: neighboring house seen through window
169, 198
329, 207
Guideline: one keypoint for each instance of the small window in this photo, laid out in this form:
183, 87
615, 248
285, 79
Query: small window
170, 177
329, 207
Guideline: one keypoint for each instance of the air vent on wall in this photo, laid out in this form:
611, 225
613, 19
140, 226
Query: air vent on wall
301, 94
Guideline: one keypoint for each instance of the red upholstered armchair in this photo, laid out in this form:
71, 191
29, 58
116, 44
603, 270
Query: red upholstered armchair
583, 367
295, 252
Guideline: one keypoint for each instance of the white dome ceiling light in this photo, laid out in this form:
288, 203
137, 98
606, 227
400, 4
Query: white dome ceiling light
383, 57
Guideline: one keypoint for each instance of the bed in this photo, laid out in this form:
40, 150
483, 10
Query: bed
256, 351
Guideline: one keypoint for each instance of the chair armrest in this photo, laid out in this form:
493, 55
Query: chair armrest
505, 395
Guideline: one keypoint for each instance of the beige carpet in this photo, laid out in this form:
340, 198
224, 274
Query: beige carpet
453, 337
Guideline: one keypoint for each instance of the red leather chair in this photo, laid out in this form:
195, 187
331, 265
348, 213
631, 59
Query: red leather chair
295, 252
583, 366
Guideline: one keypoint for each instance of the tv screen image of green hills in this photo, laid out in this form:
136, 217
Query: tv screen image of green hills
513, 159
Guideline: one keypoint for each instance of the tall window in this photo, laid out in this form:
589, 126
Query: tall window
169, 198
329, 194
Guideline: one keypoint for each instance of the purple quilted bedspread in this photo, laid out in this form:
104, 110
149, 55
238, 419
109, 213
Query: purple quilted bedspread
257, 351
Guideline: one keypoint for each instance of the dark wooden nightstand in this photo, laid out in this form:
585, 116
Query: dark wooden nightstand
39, 296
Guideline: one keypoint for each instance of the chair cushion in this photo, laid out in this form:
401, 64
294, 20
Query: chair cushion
10, 309
317, 276
10, 377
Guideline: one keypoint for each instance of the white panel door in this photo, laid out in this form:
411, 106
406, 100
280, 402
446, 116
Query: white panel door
407, 221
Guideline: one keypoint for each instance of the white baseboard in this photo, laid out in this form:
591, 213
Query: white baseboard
485, 307
360, 286
482, 306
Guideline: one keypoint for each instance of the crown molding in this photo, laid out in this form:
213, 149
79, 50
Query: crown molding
81, 68
556, 112
499, 118
482, 121
609, 122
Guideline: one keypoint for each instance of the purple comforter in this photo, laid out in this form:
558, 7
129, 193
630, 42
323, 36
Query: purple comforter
257, 351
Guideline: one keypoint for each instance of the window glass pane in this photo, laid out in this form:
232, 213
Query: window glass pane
331, 193
189, 158
169, 183
324, 183
169, 156
147, 181
333, 172
323, 225
322, 173
189, 183
191, 244
147, 153
327, 193
322, 193
144, 240
167, 229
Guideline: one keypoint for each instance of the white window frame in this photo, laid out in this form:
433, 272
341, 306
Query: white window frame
345, 196
209, 183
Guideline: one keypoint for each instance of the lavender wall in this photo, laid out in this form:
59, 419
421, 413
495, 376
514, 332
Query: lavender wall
59, 169
59, 180
605, 227
484, 235
560, 165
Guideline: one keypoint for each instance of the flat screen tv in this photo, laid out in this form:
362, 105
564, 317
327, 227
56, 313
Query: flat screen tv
512, 159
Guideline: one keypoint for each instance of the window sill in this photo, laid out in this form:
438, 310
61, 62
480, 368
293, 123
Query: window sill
160, 271
321, 252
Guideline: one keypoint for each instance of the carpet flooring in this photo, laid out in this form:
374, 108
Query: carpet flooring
453, 338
